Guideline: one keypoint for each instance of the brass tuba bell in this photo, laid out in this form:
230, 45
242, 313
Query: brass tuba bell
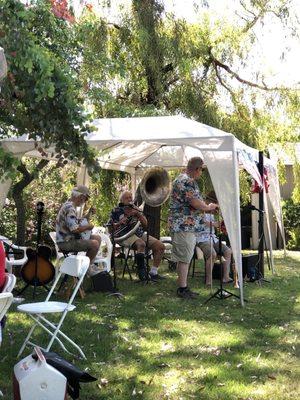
155, 187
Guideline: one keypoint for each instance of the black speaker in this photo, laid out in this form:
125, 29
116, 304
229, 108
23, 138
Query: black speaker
249, 262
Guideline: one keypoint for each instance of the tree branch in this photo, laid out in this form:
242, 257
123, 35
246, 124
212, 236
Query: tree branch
218, 64
231, 92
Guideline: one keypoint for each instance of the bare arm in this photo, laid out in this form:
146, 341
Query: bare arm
83, 228
201, 205
140, 216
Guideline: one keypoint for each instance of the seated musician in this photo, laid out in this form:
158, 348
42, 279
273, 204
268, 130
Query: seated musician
69, 229
208, 242
120, 217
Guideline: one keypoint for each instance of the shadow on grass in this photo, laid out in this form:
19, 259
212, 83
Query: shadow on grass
154, 345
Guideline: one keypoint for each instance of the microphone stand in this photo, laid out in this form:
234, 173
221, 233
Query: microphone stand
221, 293
146, 257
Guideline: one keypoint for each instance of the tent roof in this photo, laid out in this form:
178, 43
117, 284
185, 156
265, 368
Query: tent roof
132, 144
153, 128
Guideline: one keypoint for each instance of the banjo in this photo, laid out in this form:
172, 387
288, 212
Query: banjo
86, 235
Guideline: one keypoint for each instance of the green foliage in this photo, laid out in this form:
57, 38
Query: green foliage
151, 63
245, 188
291, 218
296, 190
41, 95
8, 164
106, 187
52, 187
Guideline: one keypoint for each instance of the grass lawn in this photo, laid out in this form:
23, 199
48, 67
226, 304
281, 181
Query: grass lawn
153, 345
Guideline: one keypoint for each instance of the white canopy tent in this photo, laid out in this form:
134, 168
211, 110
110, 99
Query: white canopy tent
134, 144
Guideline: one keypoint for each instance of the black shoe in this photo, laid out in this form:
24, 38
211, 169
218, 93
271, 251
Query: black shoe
186, 294
142, 274
156, 277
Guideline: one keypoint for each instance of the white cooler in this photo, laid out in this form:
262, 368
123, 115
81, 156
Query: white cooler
36, 380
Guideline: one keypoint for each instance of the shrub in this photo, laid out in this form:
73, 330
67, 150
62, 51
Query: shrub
291, 218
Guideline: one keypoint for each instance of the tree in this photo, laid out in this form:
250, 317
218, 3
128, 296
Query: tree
149, 62
41, 96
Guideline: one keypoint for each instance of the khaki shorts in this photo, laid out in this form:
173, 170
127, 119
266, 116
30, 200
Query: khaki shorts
206, 250
183, 246
75, 245
132, 239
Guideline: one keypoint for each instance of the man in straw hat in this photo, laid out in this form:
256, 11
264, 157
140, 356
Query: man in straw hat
69, 229
185, 220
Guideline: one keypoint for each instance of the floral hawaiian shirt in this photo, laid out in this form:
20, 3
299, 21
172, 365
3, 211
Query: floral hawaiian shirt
182, 216
66, 222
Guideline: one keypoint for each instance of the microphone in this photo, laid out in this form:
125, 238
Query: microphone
251, 207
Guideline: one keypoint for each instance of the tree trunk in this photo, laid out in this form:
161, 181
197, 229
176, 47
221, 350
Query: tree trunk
17, 194
148, 15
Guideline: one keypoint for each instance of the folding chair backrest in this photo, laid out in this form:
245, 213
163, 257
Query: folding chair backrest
75, 265
5, 302
10, 282
59, 254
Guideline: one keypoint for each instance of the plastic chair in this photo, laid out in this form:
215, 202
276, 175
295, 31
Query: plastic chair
5, 302
105, 244
75, 266
59, 254
11, 261
10, 282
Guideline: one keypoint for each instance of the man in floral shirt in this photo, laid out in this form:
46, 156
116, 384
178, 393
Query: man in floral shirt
185, 220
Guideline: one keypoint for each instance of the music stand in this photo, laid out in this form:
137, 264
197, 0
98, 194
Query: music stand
221, 293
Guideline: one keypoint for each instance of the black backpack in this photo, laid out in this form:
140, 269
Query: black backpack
102, 282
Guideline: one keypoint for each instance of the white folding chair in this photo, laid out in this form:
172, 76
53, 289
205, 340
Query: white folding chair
75, 266
59, 253
10, 283
5, 302
105, 251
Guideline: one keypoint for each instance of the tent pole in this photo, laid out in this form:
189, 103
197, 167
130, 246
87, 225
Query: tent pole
261, 243
269, 235
238, 257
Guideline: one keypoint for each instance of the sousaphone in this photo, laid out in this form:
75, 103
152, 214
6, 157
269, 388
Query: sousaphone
154, 190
